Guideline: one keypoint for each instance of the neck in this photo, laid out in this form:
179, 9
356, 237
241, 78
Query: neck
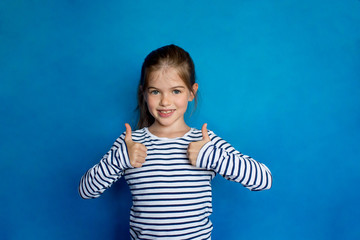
169, 131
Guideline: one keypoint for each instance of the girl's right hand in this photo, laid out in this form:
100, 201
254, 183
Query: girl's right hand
136, 151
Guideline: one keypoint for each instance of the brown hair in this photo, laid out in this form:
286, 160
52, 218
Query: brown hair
167, 56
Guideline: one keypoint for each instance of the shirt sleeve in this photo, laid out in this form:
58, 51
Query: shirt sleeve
220, 156
110, 168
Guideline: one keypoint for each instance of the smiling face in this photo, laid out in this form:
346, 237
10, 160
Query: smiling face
167, 98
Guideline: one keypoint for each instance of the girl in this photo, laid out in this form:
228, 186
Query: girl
168, 165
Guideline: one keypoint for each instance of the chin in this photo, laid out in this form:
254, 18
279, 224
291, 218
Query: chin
166, 122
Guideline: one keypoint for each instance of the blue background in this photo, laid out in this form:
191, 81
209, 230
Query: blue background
279, 80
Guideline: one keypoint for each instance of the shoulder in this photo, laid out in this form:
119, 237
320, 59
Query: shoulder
198, 134
135, 134
215, 139
138, 135
139, 132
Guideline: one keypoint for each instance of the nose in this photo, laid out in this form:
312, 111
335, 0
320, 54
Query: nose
165, 100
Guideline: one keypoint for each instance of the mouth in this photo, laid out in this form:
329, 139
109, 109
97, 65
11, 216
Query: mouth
166, 112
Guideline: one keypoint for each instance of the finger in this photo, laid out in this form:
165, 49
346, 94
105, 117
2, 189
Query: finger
142, 155
205, 132
143, 147
137, 165
141, 160
128, 132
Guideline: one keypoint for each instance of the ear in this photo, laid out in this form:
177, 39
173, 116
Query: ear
194, 87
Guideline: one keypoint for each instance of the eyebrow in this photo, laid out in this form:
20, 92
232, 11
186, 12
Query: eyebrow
171, 88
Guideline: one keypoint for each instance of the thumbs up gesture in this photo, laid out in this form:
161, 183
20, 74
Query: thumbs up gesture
194, 147
136, 151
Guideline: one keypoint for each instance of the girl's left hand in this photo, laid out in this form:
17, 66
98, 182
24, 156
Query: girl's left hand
194, 147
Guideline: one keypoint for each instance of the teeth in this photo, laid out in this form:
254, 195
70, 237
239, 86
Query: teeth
166, 111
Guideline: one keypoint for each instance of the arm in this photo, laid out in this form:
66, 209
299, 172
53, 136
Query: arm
220, 156
111, 167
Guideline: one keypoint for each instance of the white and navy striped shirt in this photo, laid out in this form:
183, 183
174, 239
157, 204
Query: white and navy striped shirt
172, 198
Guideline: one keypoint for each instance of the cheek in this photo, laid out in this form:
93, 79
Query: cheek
151, 108
183, 102
151, 102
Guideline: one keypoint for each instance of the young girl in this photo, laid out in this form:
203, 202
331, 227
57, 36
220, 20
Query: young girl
168, 165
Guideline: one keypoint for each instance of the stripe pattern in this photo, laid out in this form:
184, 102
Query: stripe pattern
172, 198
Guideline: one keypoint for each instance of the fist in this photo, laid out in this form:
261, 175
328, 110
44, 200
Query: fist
136, 151
194, 147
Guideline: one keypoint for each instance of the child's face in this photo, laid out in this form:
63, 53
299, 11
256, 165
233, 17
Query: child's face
167, 97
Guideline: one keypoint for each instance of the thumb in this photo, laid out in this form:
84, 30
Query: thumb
128, 133
205, 132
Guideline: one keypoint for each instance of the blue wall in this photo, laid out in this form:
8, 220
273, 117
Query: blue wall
280, 80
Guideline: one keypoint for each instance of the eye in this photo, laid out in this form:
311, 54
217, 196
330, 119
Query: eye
154, 92
176, 91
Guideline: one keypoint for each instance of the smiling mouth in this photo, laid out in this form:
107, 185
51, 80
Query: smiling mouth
165, 113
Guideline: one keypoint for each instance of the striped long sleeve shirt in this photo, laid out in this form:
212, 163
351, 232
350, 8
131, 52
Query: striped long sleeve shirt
171, 198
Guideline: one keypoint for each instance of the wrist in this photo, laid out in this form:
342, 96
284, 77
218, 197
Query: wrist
202, 160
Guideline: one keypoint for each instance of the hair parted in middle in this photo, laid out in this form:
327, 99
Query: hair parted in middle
164, 57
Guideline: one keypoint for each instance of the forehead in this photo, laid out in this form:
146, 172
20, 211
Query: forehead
165, 77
